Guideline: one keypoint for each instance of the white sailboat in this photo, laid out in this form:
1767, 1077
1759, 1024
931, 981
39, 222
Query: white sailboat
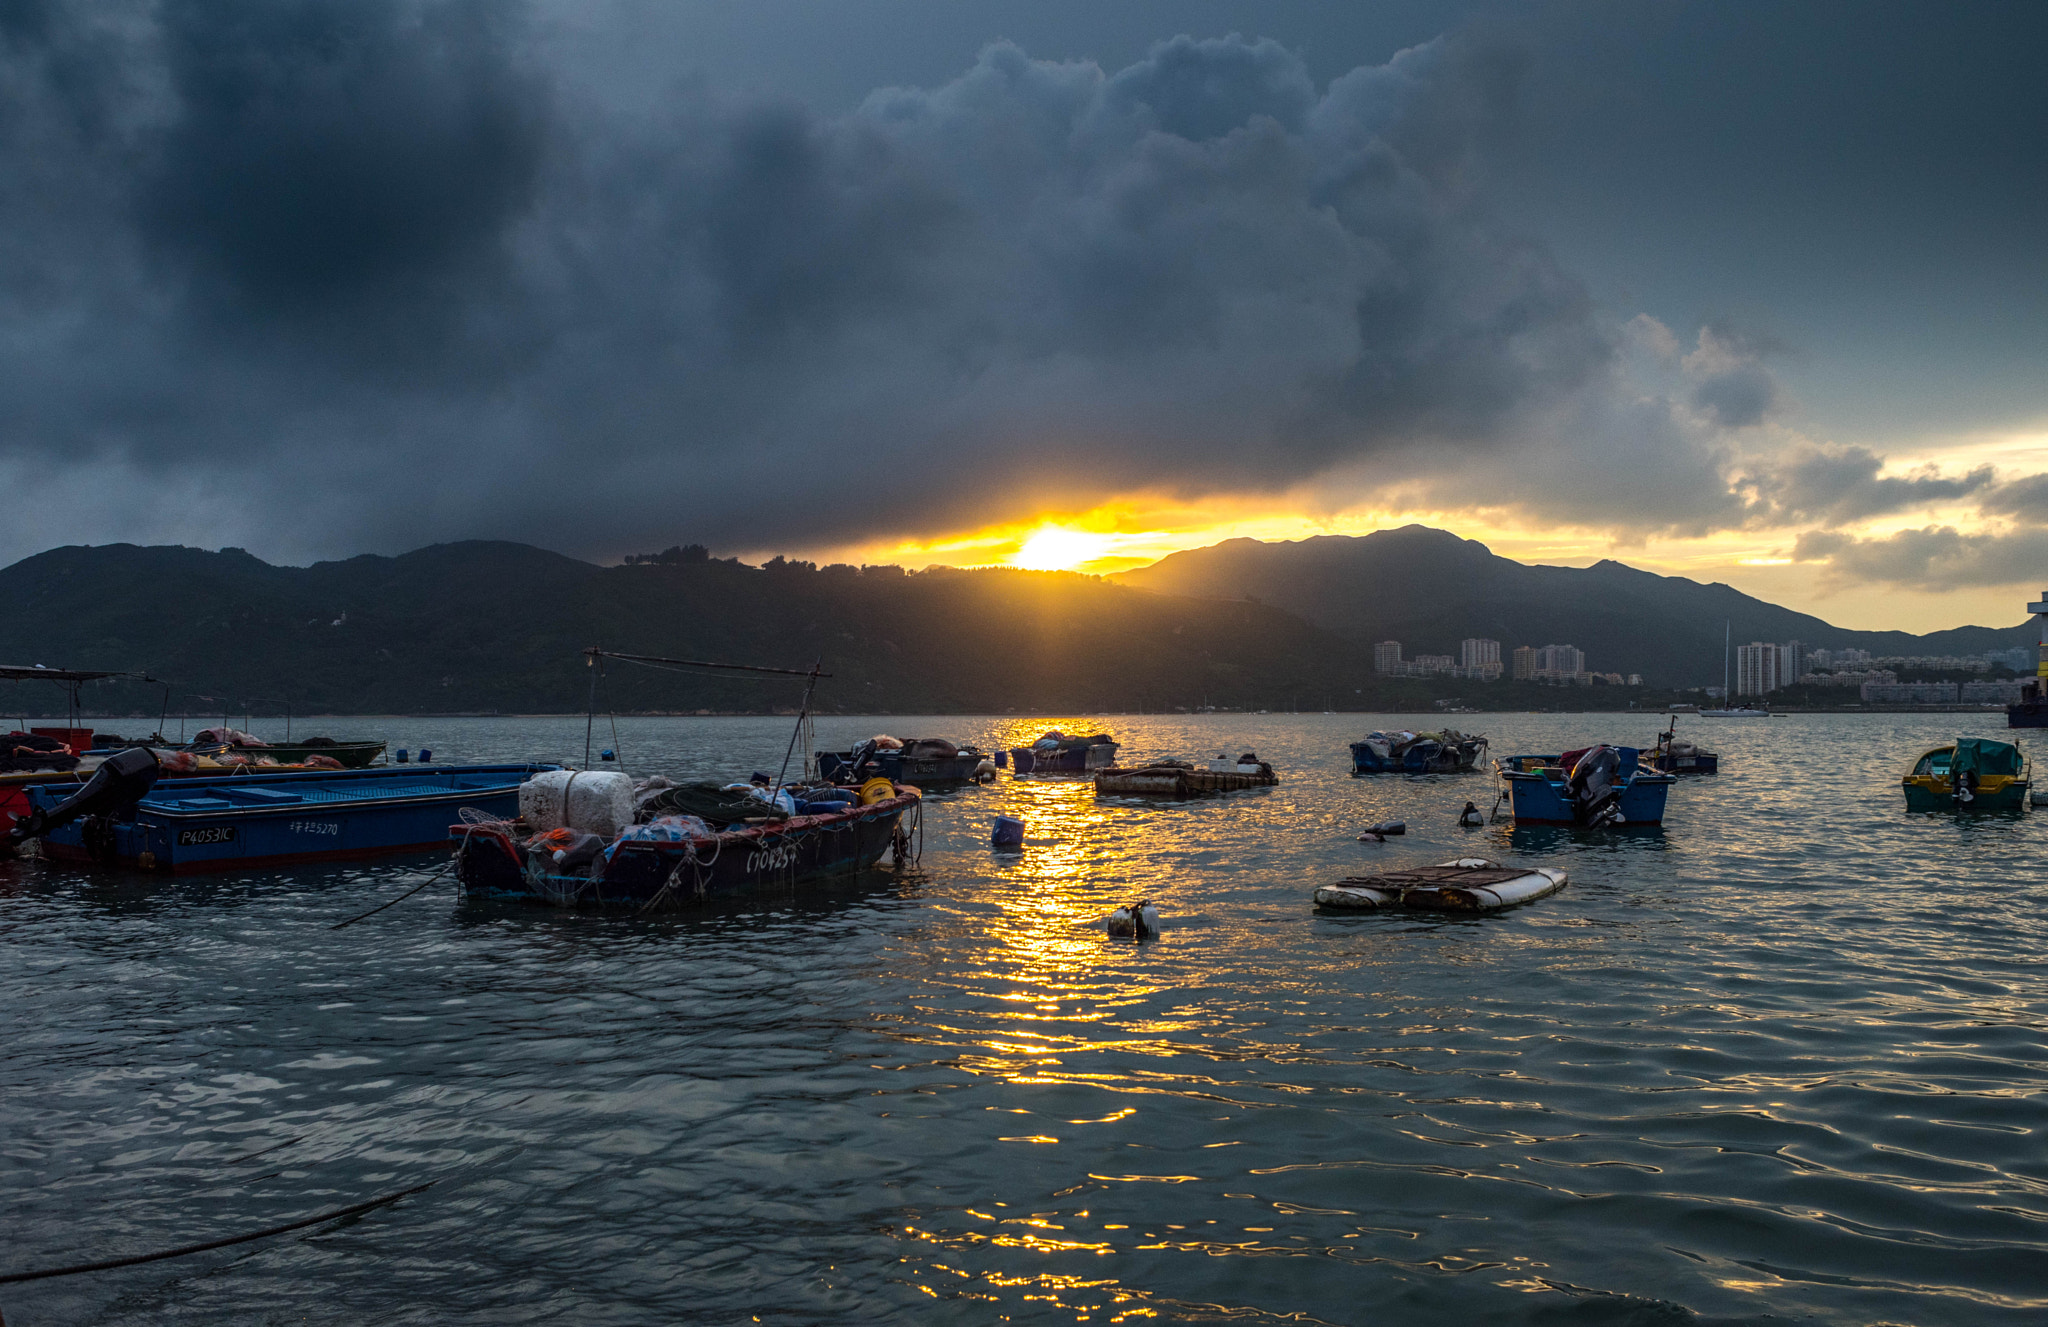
1735, 711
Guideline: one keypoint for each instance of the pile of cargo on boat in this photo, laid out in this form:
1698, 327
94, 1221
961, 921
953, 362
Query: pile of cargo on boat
926, 762
1057, 753
1180, 779
1447, 751
598, 838
1468, 884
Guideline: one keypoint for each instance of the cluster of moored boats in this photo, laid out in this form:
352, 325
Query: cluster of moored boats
561, 835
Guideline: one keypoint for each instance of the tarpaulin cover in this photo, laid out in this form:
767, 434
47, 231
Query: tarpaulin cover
1982, 756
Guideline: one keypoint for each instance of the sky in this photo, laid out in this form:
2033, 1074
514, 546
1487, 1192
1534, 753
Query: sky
1743, 292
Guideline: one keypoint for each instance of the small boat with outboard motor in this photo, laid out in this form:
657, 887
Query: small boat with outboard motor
1057, 753
927, 762
1467, 884
127, 815
1401, 751
1595, 787
1673, 754
1973, 774
1180, 780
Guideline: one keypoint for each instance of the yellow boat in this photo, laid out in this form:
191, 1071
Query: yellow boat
1973, 774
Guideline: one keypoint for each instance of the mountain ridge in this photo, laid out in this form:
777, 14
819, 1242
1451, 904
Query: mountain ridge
1430, 589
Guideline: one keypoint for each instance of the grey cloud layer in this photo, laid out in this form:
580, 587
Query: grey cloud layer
377, 249
318, 276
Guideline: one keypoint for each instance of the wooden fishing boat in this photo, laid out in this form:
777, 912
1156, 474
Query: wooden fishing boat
1404, 752
1673, 754
492, 859
220, 822
1469, 884
1597, 787
1056, 753
924, 763
350, 755
1180, 780
1972, 774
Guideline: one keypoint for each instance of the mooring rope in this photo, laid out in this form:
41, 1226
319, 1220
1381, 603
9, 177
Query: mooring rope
159, 1256
401, 898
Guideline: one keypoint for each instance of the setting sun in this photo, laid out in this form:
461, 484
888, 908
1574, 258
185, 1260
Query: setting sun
1056, 548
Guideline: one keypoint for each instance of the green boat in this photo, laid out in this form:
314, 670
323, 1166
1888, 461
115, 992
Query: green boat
1975, 774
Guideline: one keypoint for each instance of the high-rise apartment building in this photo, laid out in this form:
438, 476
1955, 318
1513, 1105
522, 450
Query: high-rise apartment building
1386, 657
1525, 663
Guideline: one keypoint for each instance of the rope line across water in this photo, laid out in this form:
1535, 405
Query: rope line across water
111, 1263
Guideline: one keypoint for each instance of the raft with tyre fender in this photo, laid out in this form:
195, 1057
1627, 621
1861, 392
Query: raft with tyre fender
1468, 884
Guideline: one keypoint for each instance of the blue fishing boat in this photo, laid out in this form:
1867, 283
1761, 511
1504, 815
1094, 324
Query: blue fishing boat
199, 824
1598, 787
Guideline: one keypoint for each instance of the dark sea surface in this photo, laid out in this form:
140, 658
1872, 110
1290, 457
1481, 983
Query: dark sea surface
1782, 1060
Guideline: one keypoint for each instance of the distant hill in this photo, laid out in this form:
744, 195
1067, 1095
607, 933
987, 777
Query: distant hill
498, 626
1430, 589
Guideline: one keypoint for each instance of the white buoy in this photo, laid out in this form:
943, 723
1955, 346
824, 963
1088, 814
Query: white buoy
1471, 818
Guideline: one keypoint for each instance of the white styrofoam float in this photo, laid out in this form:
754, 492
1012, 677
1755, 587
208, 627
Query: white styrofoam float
1469, 884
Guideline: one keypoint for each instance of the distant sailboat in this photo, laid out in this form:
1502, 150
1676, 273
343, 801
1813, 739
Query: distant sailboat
1737, 711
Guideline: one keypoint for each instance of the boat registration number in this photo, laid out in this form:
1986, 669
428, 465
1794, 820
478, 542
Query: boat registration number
778, 858
316, 827
212, 834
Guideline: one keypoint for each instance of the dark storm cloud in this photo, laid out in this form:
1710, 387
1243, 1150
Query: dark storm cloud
373, 250
326, 152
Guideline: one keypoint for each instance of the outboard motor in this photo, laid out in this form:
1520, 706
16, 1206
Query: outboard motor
121, 781
863, 754
1595, 785
1964, 783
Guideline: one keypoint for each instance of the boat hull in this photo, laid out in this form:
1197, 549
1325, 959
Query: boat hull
1539, 794
1930, 794
1068, 760
1462, 759
2027, 714
1703, 763
651, 876
919, 771
226, 823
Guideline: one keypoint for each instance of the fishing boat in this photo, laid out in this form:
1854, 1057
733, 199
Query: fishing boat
219, 822
925, 762
2031, 710
1181, 780
1057, 753
1469, 884
1673, 754
676, 861
1402, 752
1597, 787
1973, 774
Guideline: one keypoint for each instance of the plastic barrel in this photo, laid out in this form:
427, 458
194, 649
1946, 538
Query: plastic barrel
1002, 760
1009, 833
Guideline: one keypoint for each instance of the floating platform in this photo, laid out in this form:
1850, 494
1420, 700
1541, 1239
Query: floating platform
1180, 781
1469, 884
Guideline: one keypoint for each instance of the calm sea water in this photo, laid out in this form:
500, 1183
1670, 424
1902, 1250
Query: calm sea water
1782, 1060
